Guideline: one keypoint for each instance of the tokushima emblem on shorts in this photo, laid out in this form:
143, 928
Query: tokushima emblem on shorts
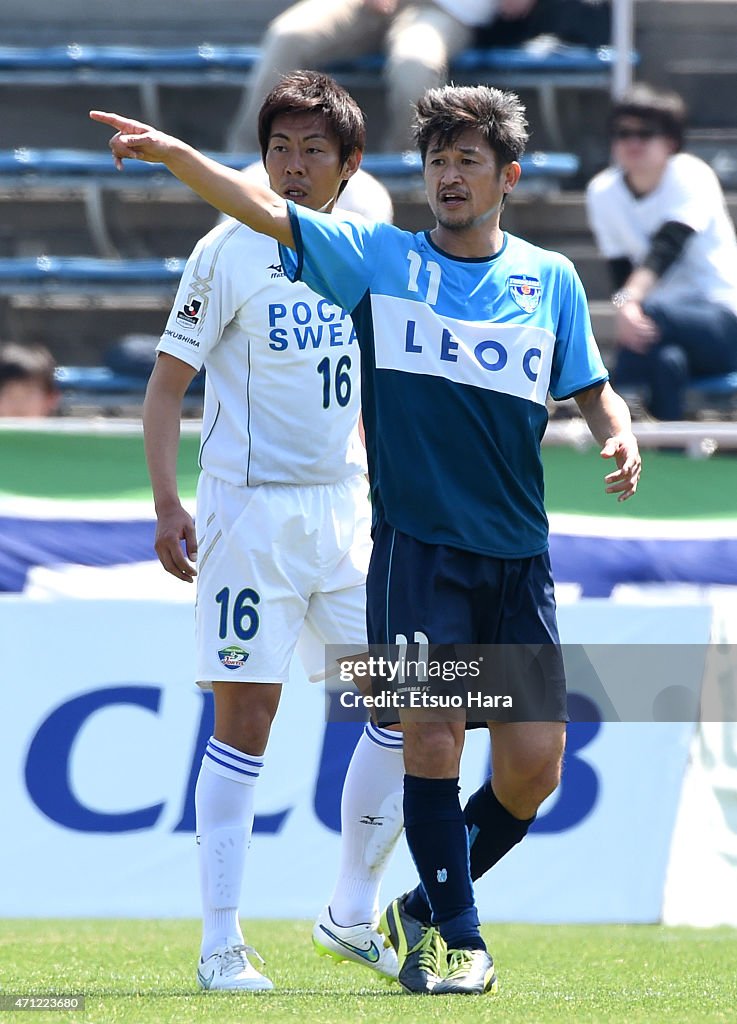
233, 657
525, 291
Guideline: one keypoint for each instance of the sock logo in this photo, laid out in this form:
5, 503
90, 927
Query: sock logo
442, 874
370, 819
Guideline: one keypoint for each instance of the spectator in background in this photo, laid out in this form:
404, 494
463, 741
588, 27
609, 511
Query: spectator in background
27, 383
420, 38
660, 219
546, 23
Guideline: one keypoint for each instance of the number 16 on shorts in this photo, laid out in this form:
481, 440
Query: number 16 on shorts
242, 616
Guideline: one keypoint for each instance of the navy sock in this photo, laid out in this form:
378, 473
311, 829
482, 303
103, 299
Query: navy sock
492, 830
438, 841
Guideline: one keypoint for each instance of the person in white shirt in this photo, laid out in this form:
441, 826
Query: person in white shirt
283, 525
420, 38
659, 217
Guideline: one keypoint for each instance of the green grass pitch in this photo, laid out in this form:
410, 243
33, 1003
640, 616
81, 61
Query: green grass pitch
138, 972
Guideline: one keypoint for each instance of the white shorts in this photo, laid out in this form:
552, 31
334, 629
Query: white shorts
272, 560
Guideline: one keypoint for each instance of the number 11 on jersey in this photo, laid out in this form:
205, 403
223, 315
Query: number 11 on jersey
433, 270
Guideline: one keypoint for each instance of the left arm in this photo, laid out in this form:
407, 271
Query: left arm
609, 421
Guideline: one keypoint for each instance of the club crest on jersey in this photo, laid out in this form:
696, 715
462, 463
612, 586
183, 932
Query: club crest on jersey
233, 657
525, 291
188, 316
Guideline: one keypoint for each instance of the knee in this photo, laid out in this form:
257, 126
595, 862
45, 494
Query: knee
244, 721
254, 726
432, 750
286, 46
672, 360
525, 779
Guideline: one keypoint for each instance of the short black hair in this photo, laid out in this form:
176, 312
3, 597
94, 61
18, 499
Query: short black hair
27, 363
314, 92
443, 114
661, 108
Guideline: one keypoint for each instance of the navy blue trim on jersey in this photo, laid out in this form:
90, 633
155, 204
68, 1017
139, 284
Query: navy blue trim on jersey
466, 259
580, 391
209, 435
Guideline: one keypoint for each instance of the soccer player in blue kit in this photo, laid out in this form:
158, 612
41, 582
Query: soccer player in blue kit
464, 330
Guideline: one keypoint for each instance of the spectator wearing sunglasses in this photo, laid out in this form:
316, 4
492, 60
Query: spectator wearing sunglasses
660, 219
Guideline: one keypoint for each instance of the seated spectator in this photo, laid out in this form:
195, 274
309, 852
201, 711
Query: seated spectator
27, 383
576, 22
660, 219
419, 37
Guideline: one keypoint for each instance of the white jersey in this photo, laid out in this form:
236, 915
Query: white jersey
688, 192
282, 365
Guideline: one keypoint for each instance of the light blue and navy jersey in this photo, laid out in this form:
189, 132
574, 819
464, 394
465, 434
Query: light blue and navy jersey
457, 358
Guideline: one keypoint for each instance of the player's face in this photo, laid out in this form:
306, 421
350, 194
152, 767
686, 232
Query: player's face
464, 184
303, 160
638, 147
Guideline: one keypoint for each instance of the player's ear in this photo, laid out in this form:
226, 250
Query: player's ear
511, 174
352, 163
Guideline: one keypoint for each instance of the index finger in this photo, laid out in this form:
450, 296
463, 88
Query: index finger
121, 124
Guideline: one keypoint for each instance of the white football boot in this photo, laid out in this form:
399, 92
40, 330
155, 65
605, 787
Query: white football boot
358, 944
229, 970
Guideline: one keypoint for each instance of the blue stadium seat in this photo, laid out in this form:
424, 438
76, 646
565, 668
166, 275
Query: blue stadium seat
76, 59
722, 387
545, 70
78, 163
101, 386
87, 274
79, 60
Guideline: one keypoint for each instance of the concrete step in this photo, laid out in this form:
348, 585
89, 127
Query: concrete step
718, 147
688, 45
165, 22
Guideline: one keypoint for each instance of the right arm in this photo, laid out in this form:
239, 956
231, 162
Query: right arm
162, 408
222, 187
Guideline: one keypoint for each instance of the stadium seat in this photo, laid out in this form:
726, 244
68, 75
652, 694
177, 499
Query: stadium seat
87, 274
59, 165
720, 391
92, 173
545, 69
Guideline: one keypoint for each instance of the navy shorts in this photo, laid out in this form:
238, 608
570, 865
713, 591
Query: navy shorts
502, 608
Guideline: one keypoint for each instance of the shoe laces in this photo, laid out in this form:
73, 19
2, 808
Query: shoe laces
431, 949
459, 962
235, 959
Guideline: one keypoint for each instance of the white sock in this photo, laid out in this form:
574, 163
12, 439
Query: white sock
371, 818
224, 808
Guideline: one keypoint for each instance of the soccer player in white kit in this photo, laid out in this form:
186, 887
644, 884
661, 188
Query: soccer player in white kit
283, 524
